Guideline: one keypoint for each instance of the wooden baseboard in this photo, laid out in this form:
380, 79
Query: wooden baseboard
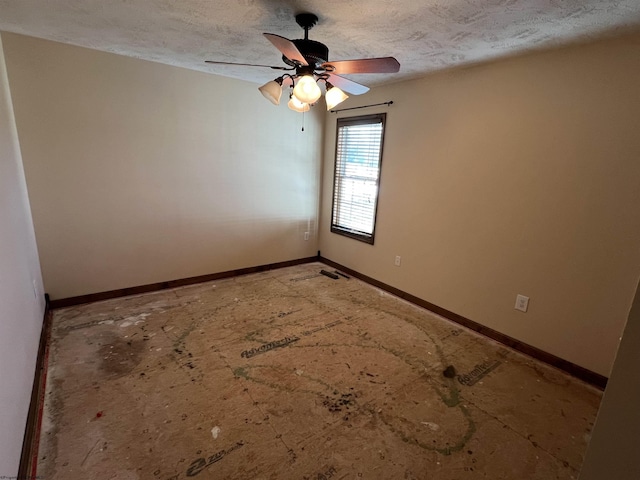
28, 457
577, 371
154, 287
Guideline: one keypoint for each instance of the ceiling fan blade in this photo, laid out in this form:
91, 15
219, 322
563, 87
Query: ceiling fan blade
213, 62
364, 65
348, 86
287, 47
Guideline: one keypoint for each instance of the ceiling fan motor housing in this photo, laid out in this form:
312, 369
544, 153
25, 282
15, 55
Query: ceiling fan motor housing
315, 53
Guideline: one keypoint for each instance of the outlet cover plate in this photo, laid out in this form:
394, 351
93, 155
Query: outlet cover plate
522, 303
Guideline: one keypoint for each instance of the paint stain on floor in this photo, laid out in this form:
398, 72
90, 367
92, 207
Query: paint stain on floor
292, 374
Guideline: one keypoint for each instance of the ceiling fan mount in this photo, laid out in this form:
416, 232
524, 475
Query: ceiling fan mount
306, 21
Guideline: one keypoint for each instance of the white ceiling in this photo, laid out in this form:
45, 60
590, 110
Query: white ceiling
424, 36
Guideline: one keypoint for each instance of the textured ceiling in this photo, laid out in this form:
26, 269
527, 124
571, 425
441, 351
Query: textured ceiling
424, 36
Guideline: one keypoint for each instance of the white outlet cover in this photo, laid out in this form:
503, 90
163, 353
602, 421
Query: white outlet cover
522, 303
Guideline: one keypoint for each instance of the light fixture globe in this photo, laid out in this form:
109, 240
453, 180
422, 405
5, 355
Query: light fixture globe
334, 96
297, 106
307, 90
272, 90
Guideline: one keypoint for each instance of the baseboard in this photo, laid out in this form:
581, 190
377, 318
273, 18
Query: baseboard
577, 371
28, 457
153, 287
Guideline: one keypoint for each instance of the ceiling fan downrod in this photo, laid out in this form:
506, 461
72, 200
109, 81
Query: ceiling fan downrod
306, 21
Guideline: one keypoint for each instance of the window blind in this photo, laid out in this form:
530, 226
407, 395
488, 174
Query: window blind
357, 175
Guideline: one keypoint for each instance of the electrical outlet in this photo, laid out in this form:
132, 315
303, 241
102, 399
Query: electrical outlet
306, 235
396, 262
522, 303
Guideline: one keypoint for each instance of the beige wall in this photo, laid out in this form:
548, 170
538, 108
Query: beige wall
21, 292
140, 172
518, 176
613, 450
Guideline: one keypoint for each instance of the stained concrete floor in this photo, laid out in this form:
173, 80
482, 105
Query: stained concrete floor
289, 374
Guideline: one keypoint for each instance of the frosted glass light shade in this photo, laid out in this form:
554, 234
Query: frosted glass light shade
298, 106
334, 96
272, 91
307, 90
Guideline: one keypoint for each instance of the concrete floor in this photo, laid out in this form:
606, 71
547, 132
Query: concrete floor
290, 374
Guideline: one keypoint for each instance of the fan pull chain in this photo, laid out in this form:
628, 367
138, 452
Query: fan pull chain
303, 121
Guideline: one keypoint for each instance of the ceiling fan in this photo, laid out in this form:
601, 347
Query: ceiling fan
309, 62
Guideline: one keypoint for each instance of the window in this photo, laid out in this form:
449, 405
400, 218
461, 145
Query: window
357, 176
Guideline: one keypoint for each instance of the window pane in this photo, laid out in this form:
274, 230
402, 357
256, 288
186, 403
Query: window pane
357, 173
